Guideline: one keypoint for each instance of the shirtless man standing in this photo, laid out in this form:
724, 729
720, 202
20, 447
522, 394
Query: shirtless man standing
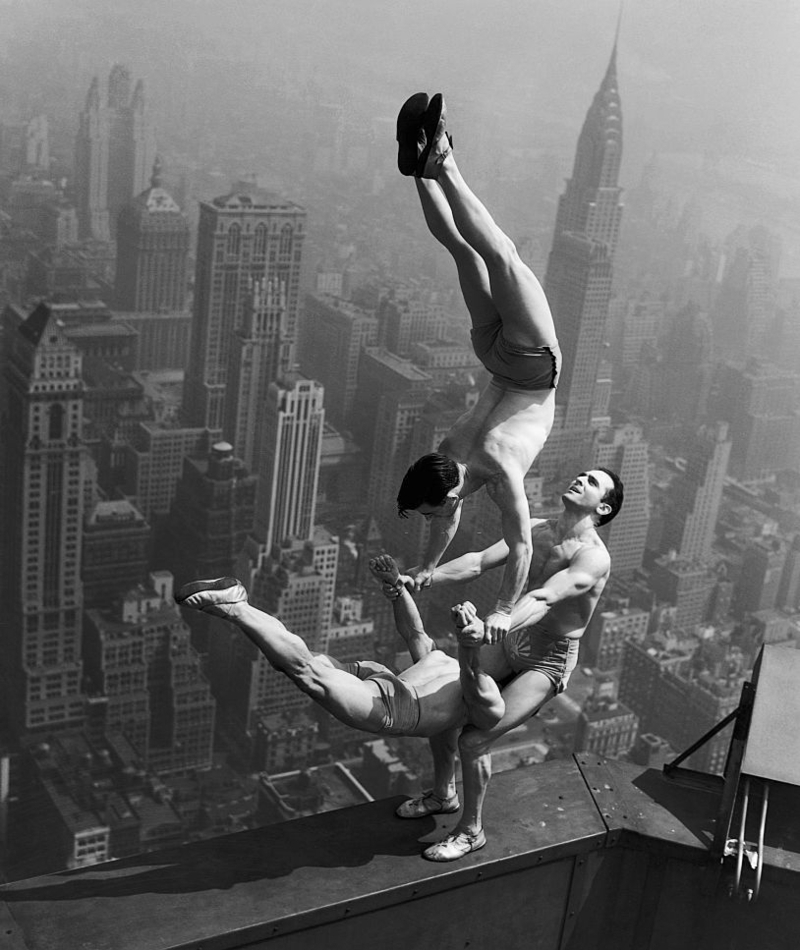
494, 443
534, 661
435, 695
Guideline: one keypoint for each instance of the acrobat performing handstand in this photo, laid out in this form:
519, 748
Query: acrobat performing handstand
437, 693
494, 443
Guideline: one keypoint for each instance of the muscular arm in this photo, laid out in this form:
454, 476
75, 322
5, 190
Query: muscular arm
510, 497
584, 571
442, 531
471, 565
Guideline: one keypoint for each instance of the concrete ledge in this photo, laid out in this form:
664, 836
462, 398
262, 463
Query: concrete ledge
572, 846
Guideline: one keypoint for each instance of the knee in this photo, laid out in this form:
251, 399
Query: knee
303, 673
474, 742
502, 255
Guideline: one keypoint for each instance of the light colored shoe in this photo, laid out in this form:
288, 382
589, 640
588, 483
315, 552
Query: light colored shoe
212, 596
455, 846
428, 804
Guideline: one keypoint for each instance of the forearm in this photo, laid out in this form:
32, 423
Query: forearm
464, 568
528, 610
515, 577
442, 532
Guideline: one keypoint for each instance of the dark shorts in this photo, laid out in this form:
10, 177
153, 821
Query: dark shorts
532, 649
400, 701
518, 368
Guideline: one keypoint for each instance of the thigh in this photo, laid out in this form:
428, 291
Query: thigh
523, 696
522, 305
494, 662
355, 702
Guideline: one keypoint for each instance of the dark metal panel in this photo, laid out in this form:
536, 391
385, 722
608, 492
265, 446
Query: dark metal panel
522, 910
641, 801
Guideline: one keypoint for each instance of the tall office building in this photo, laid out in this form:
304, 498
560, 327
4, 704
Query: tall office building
91, 168
763, 566
259, 351
114, 153
684, 370
130, 141
140, 659
625, 452
246, 237
694, 497
152, 249
332, 335
579, 272
116, 542
152, 461
295, 583
44, 487
760, 402
286, 498
210, 517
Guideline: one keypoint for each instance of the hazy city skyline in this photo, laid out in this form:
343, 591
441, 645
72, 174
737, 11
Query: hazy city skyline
274, 124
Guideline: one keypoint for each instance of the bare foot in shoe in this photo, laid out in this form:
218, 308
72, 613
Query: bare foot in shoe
217, 596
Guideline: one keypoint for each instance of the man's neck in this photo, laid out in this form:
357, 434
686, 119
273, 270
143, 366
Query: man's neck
463, 479
574, 524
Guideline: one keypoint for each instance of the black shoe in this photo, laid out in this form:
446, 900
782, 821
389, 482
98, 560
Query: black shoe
409, 120
434, 124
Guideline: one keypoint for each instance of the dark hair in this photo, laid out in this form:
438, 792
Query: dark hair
427, 482
614, 496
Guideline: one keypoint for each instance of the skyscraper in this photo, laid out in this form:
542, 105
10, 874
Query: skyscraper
695, 495
91, 168
245, 237
259, 351
332, 335
114, 153
579, 271
759, 401
130, 143
45, 469
152, 248
210, 517
624, 451
288, 475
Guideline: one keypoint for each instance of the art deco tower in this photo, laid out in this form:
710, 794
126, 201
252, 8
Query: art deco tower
130, 144
244, 238
113, 155
695, 496
152, 249
91, 168
579, 270
45, 465
289, 470
258, 353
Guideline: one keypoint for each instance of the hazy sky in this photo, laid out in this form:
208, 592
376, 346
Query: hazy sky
722, 73
718, 77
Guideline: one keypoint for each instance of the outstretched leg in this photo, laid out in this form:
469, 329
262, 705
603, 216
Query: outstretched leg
473, 277
349, 699
516, 292
406, 615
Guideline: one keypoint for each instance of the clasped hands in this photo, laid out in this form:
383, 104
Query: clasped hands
472, 631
